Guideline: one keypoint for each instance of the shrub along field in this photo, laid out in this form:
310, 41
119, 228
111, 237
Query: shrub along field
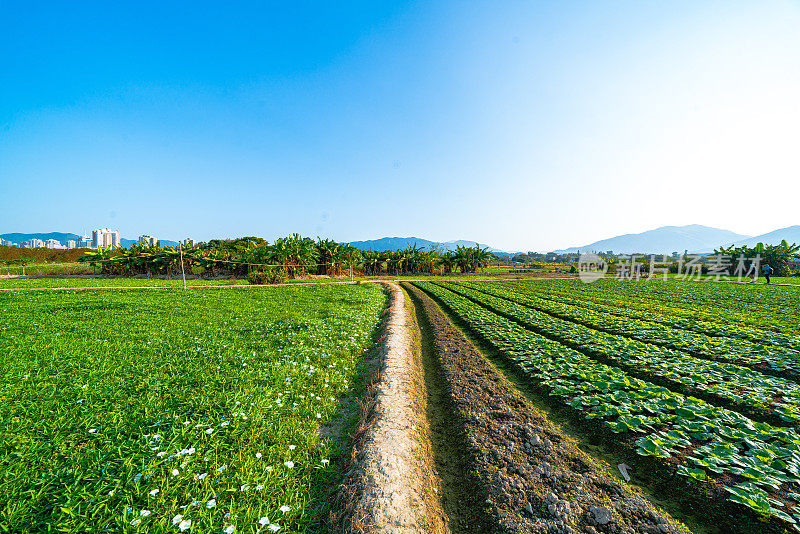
668, 369
170, 410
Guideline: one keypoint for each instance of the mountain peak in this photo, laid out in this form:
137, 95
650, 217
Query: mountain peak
665, 240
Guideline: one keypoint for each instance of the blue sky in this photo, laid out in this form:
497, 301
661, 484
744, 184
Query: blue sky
529, 126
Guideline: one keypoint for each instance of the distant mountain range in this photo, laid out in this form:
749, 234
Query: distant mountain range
790, 234
694, 238
665, 240
63, 237
399, 243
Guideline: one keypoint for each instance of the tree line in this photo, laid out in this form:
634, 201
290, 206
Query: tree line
779, 257
286, 257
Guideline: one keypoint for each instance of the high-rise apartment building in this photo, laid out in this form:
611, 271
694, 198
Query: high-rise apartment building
33, 243
148, 240
103, 237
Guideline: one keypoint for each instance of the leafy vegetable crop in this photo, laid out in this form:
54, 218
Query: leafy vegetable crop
778, 358
740, 387
175, 410
757, 464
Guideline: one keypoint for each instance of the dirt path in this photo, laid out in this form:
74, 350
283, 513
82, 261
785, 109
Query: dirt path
391, 485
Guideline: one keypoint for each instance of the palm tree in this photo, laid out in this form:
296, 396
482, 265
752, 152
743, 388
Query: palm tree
448, 262
469, 259
327, 252
101, 257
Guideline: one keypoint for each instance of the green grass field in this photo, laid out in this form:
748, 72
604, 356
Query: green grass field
168, 410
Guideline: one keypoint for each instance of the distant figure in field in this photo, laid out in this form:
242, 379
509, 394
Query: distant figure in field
753, 273
767, 270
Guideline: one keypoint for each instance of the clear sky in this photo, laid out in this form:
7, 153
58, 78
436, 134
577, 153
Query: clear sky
525, 125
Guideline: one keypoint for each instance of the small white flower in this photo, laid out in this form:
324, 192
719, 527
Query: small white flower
185, 524
186, 423
177, 519
284, 509
263, 521
230, 529
221, 468
274, 528
210, 431
260, 487
92, 430
289, 464
153, 493
175, 472
84, 386
292, 447
80, 401
211, 503
244, 487
161, 454
325, 461
319, 416
135, 522
200, 477
269, 469
145, 513
224, 423
258, 455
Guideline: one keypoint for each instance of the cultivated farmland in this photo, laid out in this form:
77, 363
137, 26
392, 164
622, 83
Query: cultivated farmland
254, 409
166, 410
699, 380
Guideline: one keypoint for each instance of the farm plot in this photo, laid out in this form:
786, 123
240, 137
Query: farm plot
766, 398
759, 306
753, 463
692, 320
782, 360
169, 411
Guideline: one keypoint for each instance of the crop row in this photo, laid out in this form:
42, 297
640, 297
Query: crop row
760, 463
780, 360
771, 398
664, 314
759, 306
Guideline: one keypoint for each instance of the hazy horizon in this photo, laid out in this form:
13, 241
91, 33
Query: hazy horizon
524, 126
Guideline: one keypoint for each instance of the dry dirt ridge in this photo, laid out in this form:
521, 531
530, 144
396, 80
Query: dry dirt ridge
390, 482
